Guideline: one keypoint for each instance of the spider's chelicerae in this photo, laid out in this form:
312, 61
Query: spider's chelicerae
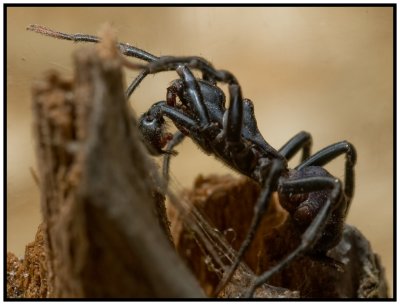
316, 201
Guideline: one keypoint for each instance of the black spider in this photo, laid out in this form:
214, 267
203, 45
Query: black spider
316, 200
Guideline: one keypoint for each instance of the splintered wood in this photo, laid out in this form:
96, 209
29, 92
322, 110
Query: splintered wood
27, 278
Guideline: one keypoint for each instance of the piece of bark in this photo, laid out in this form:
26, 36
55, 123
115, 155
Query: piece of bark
27, 277
106, 233
228, 203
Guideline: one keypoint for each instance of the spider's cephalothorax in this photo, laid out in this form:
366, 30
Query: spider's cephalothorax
316, 201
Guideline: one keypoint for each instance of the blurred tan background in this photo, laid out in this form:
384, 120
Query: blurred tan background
324, 70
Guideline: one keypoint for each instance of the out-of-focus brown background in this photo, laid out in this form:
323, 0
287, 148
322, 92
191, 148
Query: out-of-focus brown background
324, 70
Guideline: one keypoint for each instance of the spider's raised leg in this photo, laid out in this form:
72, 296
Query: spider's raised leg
331, 152
310, 236
303, 141
125, 48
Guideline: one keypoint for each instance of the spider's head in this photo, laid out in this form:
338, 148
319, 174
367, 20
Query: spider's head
152, 129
